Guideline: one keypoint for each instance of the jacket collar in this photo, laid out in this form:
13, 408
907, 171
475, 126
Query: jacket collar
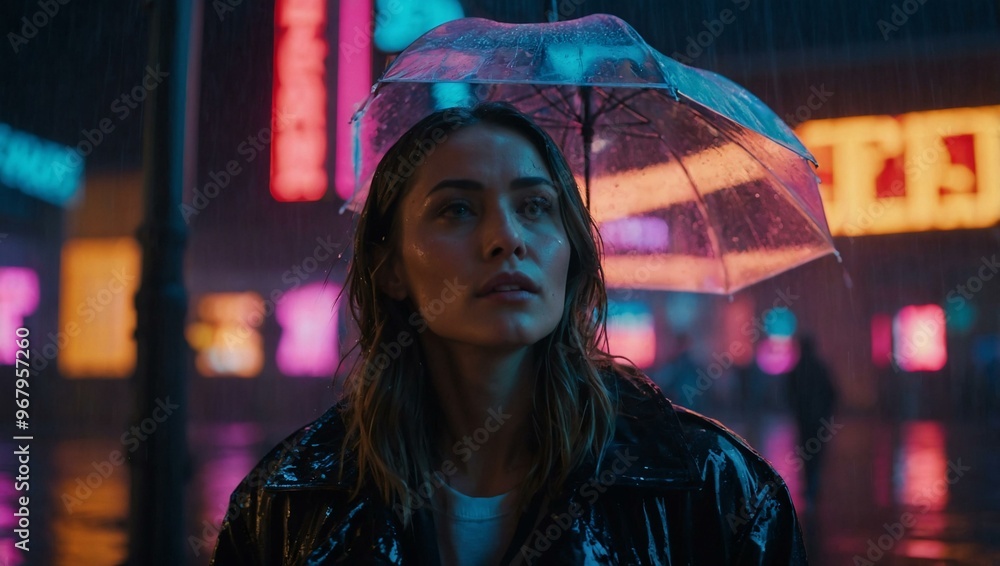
649, 448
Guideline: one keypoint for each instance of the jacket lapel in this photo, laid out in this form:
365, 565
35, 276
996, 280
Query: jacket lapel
649, 448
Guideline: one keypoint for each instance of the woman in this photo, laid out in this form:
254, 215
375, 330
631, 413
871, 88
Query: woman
484, 424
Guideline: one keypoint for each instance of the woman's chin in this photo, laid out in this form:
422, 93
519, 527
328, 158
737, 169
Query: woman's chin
500, 337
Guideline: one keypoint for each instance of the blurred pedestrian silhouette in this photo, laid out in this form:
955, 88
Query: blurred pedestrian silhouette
812, 397
678, 379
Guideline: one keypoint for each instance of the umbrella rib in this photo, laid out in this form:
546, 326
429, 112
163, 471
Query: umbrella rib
563, 109
703, 207
796, 200
623, 102
640, 118
612, 102
549, 103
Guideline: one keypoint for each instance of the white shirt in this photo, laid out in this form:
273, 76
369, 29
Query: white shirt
473, 531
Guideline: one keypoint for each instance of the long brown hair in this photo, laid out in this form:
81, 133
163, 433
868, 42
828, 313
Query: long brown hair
391, 412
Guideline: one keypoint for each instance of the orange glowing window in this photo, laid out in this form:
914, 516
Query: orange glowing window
298, 151
225, 336
100, 277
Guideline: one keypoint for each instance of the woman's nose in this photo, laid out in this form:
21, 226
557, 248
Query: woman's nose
504, 234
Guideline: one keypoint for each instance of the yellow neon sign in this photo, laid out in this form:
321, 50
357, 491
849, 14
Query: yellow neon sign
225, 337
935, 170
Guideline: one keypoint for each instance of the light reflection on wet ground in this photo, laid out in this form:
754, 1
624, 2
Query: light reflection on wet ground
920, 492
914, 493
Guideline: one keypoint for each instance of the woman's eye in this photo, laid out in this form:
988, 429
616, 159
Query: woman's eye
456, 209
536, 207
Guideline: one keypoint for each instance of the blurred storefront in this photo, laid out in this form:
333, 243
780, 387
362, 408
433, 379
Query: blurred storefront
910, 170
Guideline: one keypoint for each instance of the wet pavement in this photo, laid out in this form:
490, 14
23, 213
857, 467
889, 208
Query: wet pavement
917, 492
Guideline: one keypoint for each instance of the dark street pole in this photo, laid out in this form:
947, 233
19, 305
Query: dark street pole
160, 466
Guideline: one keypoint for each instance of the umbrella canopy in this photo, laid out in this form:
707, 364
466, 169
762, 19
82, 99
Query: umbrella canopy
696, 185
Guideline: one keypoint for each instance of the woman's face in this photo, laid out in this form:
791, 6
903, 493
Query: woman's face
482, 251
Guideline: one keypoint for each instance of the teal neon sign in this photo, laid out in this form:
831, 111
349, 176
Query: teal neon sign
40, 168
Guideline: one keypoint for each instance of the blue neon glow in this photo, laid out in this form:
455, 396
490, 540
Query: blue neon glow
780, 322
38, 167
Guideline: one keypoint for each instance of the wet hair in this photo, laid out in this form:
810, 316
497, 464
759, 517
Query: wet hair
392, 415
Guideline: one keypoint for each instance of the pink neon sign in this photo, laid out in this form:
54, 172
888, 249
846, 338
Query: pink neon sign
777, 355
298, 151
308, 319
354, 79
18, 299
919, 338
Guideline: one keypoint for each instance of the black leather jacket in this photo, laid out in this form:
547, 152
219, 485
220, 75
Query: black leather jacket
692, 492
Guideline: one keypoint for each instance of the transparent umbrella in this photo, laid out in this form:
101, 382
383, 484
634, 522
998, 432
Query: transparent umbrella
696, 185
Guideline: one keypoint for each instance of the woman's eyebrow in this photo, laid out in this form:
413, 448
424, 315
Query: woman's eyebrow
470, 185
528, 182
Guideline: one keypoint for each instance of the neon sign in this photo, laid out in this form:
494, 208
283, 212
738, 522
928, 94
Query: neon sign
935, 170
777, 355
39, 168
396, 24
18, 299
225, 337
636, 234
308, 319
918, 334
354, 79
298, 152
